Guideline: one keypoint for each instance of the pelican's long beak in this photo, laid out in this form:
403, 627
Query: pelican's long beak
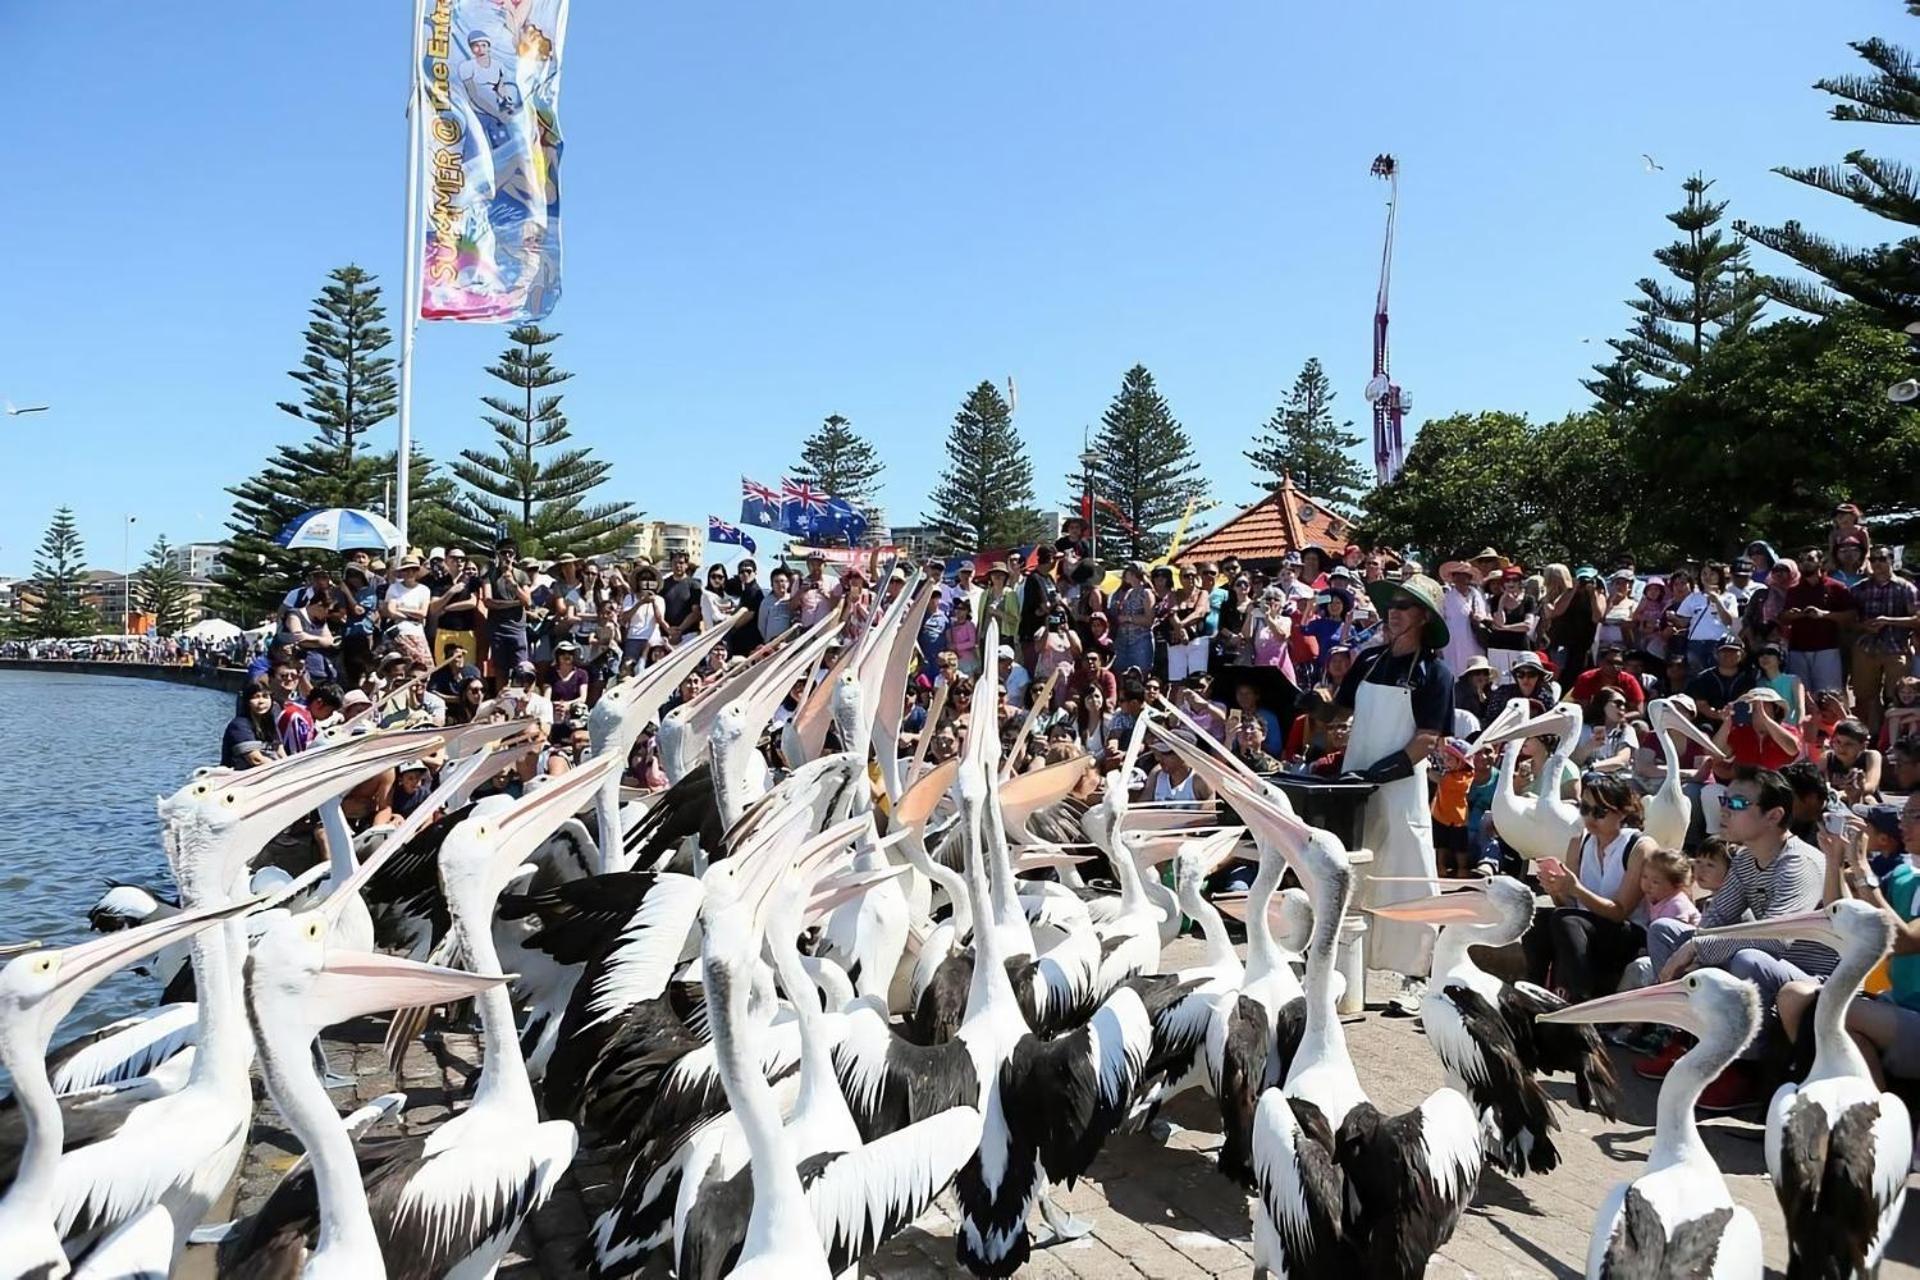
924, 796
1552, 720
526, 826
1467, 906
1048, 857
352, 984
1253, 803
837, 890
1509, 718
85, 965
641, 698
1676, 719
1666, 1003
1025, 794
1806, 926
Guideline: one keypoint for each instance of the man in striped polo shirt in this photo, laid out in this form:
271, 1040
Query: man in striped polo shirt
1775, 873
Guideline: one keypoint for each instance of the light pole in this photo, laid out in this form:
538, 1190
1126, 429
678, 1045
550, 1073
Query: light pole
126, 577
1089, 456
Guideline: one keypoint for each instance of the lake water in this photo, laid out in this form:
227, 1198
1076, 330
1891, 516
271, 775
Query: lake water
82, 759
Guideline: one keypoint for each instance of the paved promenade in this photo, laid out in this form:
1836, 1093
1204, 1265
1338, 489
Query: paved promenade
1159, 1210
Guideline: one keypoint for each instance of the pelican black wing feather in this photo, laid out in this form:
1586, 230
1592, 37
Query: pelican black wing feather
1553, 1048
1523, 1116
1324, 1247
1826, 1188
418, 1241
1643, 1249
916, 1081
716, 1228
687, 808
580, 920
1243, 1073
1398, 1216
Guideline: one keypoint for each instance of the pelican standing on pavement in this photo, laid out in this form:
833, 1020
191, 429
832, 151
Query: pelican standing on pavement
1677, 1218
1838, 1147
1402, 699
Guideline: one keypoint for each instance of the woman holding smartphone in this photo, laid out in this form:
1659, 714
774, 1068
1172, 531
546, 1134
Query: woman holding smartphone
1598, 921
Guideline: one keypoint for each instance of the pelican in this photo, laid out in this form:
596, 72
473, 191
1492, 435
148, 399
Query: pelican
299, 982
1677, 1218
180, 1150
1342, 1186
1668, 810
1838, 1149
37, 989
1536, 826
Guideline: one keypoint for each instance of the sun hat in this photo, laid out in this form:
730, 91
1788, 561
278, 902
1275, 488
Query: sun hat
1452, 567
355, 698
406, 563
1762, 693
1423, 591
1005, 653
414, 766
438, 553
1730, 642
566, 646
1478, 662
1529, 662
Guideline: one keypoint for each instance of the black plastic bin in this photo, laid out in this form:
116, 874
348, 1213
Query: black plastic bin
1337, 807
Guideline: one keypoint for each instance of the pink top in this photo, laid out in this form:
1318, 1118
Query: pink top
962, 638
1678, 907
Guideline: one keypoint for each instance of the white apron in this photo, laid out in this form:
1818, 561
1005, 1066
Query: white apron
1398, 827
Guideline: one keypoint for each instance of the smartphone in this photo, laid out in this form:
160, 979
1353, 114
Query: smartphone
1553, 866
1743, 713
1835, 821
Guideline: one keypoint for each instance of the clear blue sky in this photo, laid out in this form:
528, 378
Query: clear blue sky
777, 211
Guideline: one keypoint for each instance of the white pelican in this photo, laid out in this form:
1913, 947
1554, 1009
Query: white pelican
299, 983
37, 989
1536, 826
1668, 810
1343, 1187
1838, 1148
180, 1150
1677, 1217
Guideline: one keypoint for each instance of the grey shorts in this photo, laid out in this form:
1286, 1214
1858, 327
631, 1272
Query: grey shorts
1902, 1057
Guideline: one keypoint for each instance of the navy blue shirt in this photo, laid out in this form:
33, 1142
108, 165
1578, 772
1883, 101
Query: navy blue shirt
1425, 675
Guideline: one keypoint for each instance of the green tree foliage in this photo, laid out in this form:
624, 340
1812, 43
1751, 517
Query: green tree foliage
838, 461
537, 496
1464, 485
984, 499
56, 610
1302, 438
1146, 469
1616, 386
1719, 296
160, 589
1885, 279
1771, 431
349, 390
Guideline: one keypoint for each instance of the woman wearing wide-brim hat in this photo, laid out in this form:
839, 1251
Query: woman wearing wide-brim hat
1401, 693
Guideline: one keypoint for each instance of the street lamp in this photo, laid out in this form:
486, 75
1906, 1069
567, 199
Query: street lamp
1089, 456
126, 577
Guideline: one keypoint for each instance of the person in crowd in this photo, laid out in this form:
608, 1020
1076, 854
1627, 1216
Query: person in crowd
509, 594
1452, 803
1001, 602
1609, 672
251, 738
457, 611
1056, 650
1647, 622
1847, 529
963, 637
1708, 615
1884, 605
1132, 612
405, 610
1903, 717
1189, 642
1528, 680
1473, 688
1754, 733
360, 615
1171, 780
1718, 686
776, 612
412, 784
1572, 610
1039, 595
1852, 767
568, 686
1814, 611
717, 601
1666, 881
1774, 873
1401, 696
747, 594
1014, 678
1617, 616
1607, 739
1849, 562
1511, 617
1465, 611
1770, 671
1598, 921
854, 598
471, 697
679, 598
642, 619
1740, 581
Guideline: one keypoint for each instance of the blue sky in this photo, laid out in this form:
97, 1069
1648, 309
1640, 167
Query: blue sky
776, 211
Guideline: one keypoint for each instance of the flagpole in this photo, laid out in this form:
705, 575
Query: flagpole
409, 289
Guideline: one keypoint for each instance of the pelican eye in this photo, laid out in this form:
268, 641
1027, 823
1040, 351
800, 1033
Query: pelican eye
200, 789
315, 929
46, 964
229, 799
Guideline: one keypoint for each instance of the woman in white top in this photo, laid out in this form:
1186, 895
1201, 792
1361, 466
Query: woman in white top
716, 604
1710, 614
640, 616
1607, 741
1598, 922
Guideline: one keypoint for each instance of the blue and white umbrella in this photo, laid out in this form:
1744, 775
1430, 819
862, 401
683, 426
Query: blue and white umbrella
338, 529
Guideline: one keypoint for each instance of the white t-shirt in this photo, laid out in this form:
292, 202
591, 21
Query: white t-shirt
645, 623
417, 597
1703, 623
1016, 686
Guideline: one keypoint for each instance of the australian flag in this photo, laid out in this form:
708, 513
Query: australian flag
803, 510
845, 521
719, 530
759, 504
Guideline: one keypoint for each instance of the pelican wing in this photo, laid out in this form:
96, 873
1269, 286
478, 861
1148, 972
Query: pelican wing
1642, 1246
1550, 1048
1477, 1045
891, 1083
1301, 1186
125, 1049
861, 1199
1409, 1178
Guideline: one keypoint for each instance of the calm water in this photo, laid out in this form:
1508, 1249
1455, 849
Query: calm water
82, 759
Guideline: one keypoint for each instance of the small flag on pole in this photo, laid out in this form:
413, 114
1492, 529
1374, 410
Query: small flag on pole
719, 530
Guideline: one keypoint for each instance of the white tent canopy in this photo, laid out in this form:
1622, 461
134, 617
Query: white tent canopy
214, 630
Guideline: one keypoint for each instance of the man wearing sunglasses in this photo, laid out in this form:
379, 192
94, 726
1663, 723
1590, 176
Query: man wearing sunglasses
1884, 645
1774, 874
1401, 695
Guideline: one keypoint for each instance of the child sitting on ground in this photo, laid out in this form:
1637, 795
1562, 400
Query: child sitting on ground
1664, 879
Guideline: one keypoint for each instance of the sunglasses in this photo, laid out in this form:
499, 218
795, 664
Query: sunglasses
1736, 804
1401, 606
1595, 810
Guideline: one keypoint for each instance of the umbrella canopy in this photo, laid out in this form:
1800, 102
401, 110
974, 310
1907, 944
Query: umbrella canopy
338, 529
215, 630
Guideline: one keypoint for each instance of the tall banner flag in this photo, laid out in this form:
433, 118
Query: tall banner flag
801, 506
759, 504
719, 530
491, 71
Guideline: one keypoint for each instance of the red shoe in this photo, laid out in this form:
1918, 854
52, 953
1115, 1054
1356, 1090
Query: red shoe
1655, 1066
1737, 1089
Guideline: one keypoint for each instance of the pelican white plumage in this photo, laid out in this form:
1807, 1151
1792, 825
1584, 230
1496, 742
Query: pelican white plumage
1538, 826
1677, 1217
181, 1149
1669, 811
37, 989
1838, 1147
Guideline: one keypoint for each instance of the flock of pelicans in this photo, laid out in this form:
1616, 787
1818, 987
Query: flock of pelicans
799, 1018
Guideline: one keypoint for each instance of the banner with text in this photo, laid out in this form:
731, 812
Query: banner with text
491, 73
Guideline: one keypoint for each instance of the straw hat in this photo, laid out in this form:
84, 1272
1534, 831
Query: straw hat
1452, 567
1423, 591
1488, 553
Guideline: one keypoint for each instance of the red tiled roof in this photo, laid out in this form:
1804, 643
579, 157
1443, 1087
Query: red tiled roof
1285, 520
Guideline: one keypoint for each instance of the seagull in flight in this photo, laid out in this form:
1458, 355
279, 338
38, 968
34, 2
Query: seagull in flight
14, 411
1653, 166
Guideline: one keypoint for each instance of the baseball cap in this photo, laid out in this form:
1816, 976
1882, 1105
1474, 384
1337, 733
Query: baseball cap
1005, 653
